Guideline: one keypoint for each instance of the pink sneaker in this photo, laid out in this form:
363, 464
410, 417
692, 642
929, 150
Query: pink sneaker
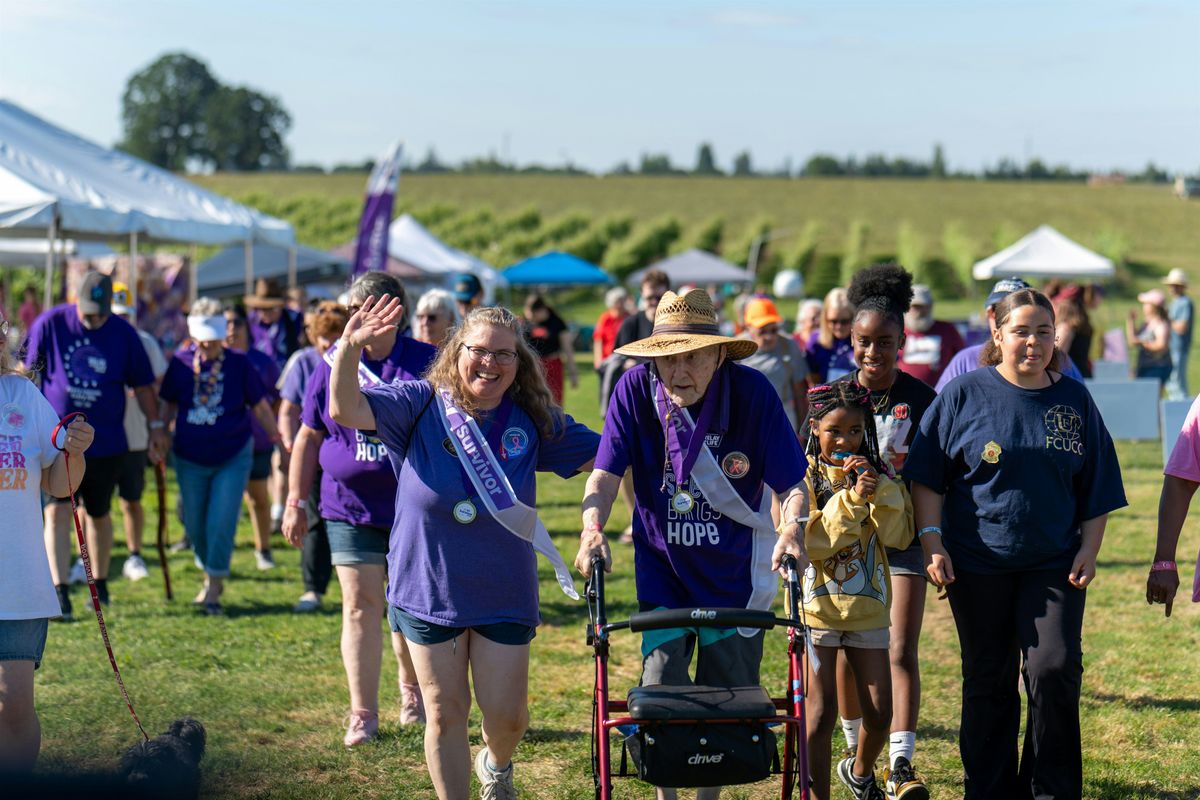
412, 705
361, 728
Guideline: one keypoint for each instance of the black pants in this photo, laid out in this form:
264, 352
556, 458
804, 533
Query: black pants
1036, 617
315, 565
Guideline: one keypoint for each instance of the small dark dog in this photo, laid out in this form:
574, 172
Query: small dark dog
169, 764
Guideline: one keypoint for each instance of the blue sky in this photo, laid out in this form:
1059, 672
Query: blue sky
1098, 84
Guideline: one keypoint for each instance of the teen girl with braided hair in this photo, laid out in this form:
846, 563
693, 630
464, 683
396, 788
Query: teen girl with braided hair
859, 510
881, 295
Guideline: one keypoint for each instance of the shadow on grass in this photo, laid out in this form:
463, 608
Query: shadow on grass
252, 609
1142, 701
925, 731
1109, 789
573, 613
545, 735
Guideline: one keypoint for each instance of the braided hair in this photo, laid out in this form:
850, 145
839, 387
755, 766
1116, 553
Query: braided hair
848, 395
883, 288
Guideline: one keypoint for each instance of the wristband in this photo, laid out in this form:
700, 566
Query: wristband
802, 521
156, 424
929, 529
1163, 566
593, 528
294, 502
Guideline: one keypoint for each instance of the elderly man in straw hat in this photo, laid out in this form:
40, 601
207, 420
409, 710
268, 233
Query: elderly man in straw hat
708, 441
1181, 312
274, 329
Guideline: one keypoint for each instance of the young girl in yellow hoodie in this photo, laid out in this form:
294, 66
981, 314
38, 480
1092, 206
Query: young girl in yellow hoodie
859, 510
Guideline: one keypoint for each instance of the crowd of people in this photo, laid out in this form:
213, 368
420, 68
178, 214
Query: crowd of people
870, 443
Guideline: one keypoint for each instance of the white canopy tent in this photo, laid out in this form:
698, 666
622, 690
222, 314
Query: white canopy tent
221, 275
33, 252
411, 243
695, 266
53, 182
1045, 253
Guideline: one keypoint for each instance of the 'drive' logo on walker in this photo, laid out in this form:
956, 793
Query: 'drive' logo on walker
701, 613
705, 758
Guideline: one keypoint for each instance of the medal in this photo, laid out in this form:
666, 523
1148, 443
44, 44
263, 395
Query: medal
682, 502
464, 512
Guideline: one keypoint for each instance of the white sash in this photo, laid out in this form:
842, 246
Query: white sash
494, 490
366, 378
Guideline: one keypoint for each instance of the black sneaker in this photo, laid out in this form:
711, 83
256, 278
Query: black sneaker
902, 782
64, 602
866, 790
102, 592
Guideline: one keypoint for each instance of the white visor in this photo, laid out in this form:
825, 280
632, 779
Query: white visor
206, 329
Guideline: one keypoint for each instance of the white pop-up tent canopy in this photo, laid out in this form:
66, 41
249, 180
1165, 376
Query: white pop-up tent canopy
32, 252
696, 266
53, 182
222, 275
409, 242
1045, 253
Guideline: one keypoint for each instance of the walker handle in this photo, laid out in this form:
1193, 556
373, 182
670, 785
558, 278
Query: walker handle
701, 618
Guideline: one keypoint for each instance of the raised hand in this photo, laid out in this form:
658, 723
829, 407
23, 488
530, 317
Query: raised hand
375, 319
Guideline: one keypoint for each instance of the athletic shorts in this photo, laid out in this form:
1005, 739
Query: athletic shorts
730, 660
909, 561
260, 466
419, 631
131, 483
356, 544
23, 640
874, 639
99, 480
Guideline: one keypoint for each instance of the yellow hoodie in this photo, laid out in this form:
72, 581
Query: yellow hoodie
847, 587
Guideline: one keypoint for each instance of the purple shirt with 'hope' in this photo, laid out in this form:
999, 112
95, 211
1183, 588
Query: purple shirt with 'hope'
88, 370
358, 484
701, 557
444, 571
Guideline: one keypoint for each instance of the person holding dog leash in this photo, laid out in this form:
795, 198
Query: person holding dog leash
30, 463
707, 440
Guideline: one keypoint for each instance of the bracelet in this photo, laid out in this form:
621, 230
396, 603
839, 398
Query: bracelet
929, 529
156, 424
593, 528
1163, 566
801, 521
294, 502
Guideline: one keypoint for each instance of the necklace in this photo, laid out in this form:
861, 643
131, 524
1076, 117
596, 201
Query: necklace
877, 406
200, 399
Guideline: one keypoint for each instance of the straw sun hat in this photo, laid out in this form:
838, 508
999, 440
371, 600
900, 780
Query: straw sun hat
685, 323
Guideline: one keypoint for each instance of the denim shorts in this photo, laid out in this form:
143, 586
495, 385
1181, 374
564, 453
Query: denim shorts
23, 640
356, 544
418, 631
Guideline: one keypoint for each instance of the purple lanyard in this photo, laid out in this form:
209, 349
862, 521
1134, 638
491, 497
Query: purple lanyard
682, 460
494, 432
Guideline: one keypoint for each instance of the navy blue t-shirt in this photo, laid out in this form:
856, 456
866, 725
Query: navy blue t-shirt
1020, 470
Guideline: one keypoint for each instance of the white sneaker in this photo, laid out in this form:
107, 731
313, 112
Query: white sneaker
262, 558
135, 569
494, 785
78, 573
308, 602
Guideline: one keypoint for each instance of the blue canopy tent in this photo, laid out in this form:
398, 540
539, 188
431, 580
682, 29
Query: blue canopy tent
555, 269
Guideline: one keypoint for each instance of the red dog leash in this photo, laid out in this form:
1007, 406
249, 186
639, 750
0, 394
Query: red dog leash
87, 560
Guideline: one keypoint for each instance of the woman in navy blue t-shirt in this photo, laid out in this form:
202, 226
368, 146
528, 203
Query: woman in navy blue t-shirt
1013, 476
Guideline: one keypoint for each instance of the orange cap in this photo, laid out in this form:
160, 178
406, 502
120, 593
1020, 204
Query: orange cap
761, 312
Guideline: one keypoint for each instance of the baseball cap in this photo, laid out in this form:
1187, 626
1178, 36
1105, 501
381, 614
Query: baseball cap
120, 299
466, 286
761, 312
1003, 288
922, 295
94, 294
1154, 297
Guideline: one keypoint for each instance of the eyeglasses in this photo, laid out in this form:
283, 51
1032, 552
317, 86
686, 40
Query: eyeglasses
769, 330
653, 299
480, 354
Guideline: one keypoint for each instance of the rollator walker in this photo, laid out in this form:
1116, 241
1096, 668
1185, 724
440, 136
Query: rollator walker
696, 736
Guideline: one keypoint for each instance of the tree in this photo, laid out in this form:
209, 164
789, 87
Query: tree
657, 164
245, 130
431, 163
1037, 171
163, 110
706, 163
742, 166
822, 165
938, 168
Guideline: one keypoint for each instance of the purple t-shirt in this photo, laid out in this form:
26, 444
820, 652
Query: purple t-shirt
830, 363
268, 372
279, 340
699, 558
213, 419
88, 370
358, 484
967, 360
296, 374
444, 571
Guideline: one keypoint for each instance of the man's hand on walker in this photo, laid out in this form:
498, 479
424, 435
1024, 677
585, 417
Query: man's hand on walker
789, 543
592, 544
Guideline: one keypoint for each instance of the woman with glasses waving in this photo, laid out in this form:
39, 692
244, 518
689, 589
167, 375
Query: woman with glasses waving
830, 352
462, 572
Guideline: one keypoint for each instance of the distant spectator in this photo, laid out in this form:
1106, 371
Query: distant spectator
830, 353
604, 338
929, 344
1152, 339
1181, 313
777, 357
274, 330
297, 299
1181, 478
30, 308
808, 321
1074, 327
553, 341
436, 314
468, 293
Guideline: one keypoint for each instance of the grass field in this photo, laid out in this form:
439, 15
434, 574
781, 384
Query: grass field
269, 684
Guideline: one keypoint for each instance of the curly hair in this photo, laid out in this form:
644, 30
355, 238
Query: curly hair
529, 390
883, 288
327, 321
990, 356
847, 395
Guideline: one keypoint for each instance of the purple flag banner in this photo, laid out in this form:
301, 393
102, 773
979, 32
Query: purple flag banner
371, 250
